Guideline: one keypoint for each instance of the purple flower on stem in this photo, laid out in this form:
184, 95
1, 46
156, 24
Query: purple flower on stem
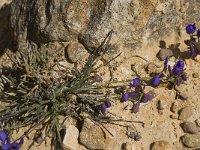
166, 61
136, 107
177, 70
133, 95
147, 97
190, 28
5, 142
156, 80
15, 146
6, 146
179, 81
135, 82
107, 104
192, 51
184, 76
125, 97
4, 138
180, 64
103, 109
198, 32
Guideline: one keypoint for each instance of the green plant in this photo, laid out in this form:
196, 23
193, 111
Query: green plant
39, 98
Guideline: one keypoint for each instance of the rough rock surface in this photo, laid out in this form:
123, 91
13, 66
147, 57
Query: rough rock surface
185, 113
189, 127
135, 22
94, 137
70, 140
191, 140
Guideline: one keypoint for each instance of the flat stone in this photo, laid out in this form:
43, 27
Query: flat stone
185, 113
70, 140
94, 137
191, 140
161, 145
189, 127
163, 53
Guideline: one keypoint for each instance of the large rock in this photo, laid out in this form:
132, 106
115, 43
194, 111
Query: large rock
135, 22
93, 136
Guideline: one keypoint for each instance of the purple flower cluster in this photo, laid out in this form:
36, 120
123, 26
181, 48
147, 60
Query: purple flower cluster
177, 74
137, 95
5, 142
194, 45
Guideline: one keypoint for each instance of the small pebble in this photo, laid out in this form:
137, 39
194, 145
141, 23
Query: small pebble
195, 75
126, 146
185, 113
174, 108
160, 105
197, 121
174, 116
183, 96
189, 127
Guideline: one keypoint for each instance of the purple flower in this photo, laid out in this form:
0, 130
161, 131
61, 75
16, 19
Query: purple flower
135, 82
147, 97
107, 104
190, 28
156, 80
15, 146
125, 97
177, 70
179, 81
6, 146
103, 109
133, 95
136, 107
192, 51
198, 32
166, 60
184, 76
180, 64
4, 138
5, 142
